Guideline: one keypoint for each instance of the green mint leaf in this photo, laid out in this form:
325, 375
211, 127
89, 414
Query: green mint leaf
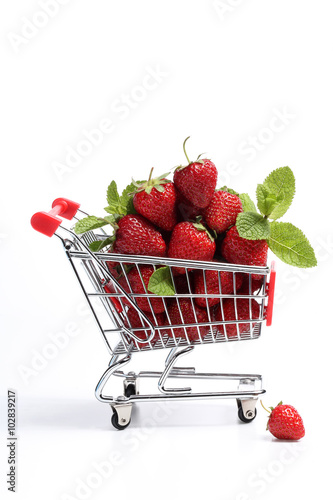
111, 219
252, 226
116, 205
267, 201
290, 245
111, 211
112, 195
89, 223
280, 184
96, 246
127, 200
121, 205
161, 282
247, 203
130, 207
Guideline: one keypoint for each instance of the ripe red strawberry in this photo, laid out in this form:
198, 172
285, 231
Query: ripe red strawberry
256, 284
185, 209
237, 250
134, 279
156, 200
191, 240
196, 181
212, 285
134, 321
182, 285
243, 313
222, 211
284, 422
136, 235
186, 308
112, 264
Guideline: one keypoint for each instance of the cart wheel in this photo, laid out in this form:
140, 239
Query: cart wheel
115, 422
130, 390
245, 419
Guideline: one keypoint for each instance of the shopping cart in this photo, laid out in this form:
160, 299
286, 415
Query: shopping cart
127, 328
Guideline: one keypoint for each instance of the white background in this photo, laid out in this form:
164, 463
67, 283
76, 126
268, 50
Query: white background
225, 72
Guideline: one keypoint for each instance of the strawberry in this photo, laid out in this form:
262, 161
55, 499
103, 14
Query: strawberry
156, 200
134, 321
189, 317
237, 250
222, 211
213, 286
182, 285
191, 241
243, 312
256, 284
136, 235
135, 281
185, 209
112, 264
196, 181
284, 422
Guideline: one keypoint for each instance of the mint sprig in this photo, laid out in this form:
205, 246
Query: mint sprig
274, 197
123, 204
119, 205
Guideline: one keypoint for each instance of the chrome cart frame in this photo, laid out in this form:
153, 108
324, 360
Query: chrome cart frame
110, 301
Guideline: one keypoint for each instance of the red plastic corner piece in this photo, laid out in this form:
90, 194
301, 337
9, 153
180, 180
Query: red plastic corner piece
48, 223
271, 290
45, 223
69, 207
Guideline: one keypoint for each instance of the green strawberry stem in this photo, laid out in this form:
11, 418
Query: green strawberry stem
185, 149
264, 407
269, 412
151, 173
157, 182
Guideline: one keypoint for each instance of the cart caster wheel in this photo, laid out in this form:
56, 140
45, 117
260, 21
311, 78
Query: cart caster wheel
246, 419
116, 424
130, 390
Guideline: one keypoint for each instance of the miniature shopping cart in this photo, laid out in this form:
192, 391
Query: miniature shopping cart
110, 303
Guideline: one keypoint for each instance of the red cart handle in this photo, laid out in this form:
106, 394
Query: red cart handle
270, 293
47, 223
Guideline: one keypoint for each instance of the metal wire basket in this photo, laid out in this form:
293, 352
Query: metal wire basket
131, 319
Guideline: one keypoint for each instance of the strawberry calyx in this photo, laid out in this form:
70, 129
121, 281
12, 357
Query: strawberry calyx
228, 190
147, 186
198, 160
200, 227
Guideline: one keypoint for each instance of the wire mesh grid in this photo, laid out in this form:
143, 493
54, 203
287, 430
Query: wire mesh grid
213, 301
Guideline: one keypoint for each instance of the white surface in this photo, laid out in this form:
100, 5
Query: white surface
224, 79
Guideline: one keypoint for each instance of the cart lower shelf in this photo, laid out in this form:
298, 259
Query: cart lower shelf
247, 393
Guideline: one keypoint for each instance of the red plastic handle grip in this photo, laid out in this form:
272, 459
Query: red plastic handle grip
109, 288
271, 289
47, 222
